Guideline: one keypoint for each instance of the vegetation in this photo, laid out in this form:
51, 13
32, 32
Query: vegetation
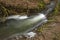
50, 30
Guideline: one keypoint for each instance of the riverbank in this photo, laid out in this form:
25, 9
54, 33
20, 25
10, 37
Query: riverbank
50, 30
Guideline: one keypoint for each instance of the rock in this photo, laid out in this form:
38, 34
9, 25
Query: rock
30, 34
47, 1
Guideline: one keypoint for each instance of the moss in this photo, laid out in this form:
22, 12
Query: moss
41, 4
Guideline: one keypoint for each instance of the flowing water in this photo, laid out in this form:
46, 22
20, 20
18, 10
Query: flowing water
19, 26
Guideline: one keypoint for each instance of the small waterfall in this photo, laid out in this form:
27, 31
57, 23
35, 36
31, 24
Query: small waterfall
23, 24
17, 17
